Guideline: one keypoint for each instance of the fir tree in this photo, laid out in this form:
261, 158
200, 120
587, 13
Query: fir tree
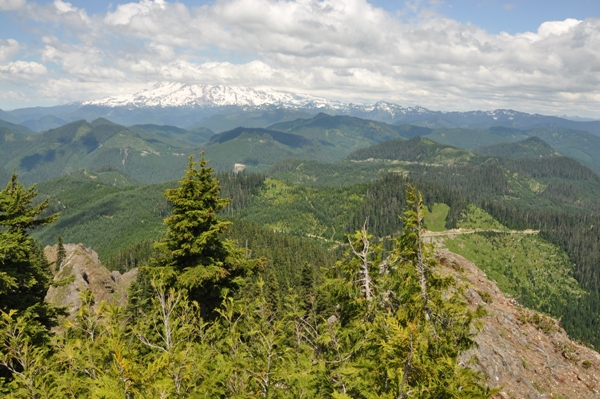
24, 274
397, 326
193, 254
24, 281
61, 254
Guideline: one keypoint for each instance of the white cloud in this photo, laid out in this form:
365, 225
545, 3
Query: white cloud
11, 95
6, 5
22, 70
8, 49
62, 15
126, 12
81, 62
557, 28
347, 49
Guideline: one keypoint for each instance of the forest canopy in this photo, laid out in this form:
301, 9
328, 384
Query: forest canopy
374, 324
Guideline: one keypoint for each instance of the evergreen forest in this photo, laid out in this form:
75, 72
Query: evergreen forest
303, 276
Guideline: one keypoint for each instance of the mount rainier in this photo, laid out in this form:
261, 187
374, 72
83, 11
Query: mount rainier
221, 107
186, 95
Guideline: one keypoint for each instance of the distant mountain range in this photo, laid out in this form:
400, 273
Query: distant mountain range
151, 153
221, 108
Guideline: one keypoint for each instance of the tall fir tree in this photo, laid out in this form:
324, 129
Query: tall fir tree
397, 326
24, 281
24, 272
194, 255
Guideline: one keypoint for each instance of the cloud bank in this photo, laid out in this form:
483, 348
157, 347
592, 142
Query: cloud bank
340, 49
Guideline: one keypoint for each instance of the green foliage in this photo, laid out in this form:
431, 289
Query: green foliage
193, 252
110, 219
121, 222
24, 273
476, 218
304, 211
318, 174
470, 139
435, 220
416, 149
555, 195
61, 254
24, 280
525, 266
539, 320
532, 147
340, 132
132, 256
363, 331
294, 261
580, 145
146, 156
25, 359
398, 326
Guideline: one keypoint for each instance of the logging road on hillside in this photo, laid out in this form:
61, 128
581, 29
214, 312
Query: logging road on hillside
454, 232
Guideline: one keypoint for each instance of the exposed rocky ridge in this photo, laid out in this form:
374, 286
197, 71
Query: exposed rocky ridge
524, 353
88, 274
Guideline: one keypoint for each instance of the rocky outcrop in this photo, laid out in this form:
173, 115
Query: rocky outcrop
524, 353
83, 268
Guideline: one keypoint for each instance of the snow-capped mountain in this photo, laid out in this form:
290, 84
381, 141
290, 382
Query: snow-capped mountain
209, 98
220, 107
166, 95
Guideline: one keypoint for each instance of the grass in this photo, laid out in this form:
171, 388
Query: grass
525, 266
436, 219
477, 218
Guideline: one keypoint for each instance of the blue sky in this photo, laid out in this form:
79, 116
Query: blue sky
533, 56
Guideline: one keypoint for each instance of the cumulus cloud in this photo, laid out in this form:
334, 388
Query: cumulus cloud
11, 4
8, 49
81, 62
22, 70
63, 15
346, 49
126, 12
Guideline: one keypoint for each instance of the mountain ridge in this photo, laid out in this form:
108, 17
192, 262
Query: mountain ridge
184, 105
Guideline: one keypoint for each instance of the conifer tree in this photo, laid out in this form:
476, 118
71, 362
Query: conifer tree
24, 281
24, 274
397, 326
426, 325
193, 254
61, 254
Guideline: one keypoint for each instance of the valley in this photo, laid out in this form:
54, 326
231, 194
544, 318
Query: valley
521, 204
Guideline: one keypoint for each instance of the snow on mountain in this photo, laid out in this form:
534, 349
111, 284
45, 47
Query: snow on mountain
166, 95
181, 95
210, 98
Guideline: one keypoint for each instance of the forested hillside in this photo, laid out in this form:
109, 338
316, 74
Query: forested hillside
295, 263
208, 318
321, 202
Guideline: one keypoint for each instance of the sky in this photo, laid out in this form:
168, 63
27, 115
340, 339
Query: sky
531, 56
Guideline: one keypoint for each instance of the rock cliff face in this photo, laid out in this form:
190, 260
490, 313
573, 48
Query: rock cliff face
87, 274
524, 353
